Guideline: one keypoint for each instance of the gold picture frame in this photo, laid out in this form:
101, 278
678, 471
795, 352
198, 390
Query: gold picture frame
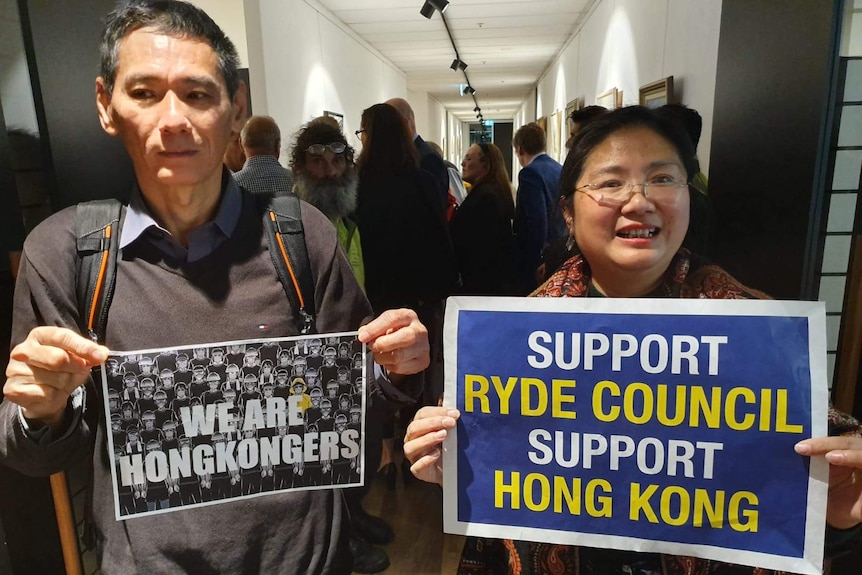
656, 94
571, 107
610, 99
543, 123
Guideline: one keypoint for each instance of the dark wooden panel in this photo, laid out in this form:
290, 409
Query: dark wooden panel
62, 41
775, 61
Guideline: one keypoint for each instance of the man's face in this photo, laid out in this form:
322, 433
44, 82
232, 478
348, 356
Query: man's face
171, 108
326, 165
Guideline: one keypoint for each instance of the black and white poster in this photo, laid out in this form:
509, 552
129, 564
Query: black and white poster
211, 423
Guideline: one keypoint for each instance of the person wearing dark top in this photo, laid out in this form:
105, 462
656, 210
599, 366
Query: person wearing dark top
429, 160
481, 228
397, 200
538, 219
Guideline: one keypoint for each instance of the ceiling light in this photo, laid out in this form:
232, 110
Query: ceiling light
468, 89
458, 64
477, 109
430, 5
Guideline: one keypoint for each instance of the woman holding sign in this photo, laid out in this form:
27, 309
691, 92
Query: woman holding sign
625, 183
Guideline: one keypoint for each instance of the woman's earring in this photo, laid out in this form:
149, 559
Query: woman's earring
570, 243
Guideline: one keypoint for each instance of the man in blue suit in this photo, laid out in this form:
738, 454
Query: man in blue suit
538, 217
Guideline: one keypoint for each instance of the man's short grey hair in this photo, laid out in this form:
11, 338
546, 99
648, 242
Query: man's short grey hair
171, 17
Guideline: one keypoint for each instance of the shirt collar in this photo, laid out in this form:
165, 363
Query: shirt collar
533, 159
139, 218
260, 159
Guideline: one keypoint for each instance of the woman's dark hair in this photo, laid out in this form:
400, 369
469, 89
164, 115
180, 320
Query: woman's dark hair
665, 125
388, 149
497, 177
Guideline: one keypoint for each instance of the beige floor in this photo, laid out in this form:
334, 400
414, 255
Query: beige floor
416, 515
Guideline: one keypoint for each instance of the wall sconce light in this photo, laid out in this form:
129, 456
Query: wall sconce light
430, 5
458, 64
468, 89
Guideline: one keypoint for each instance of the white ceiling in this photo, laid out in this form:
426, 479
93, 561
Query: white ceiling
507, 45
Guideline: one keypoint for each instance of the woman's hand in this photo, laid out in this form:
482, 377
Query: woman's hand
844, 454
423, 439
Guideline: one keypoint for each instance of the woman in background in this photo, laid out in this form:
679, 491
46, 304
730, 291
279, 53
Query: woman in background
481, 228
405, 242
399, 218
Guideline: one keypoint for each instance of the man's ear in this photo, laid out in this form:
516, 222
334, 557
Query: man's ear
239, 106
103, 105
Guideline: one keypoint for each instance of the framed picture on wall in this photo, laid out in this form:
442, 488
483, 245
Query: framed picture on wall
576, 104
243, 75
610, 99
656, 94
552, 135
543, 122
338, 117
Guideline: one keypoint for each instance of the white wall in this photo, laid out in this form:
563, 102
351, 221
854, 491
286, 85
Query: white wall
230, 17
625, 44
435, 128
303, 61
311, 64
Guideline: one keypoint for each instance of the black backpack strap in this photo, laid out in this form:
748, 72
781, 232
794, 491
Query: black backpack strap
97, 231
286, 238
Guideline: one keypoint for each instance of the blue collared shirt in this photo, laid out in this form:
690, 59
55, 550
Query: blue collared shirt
203, 240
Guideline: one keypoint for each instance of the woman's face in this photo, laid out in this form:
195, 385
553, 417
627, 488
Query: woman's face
629, 247
474, 167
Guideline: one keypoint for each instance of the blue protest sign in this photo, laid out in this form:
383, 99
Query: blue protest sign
651, 425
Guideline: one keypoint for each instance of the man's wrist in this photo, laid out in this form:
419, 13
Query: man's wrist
56, 422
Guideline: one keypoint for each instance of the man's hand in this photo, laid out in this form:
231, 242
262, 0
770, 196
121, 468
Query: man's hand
46, 368
399, 341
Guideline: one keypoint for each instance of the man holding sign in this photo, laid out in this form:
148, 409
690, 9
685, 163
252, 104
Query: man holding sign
619, 420
194, 268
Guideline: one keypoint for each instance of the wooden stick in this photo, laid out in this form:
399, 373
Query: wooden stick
66, 524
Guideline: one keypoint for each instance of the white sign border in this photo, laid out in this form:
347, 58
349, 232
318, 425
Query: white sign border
811, 562
110, 439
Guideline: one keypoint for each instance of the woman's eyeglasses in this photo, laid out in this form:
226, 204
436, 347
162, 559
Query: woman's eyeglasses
359, 132
319, 149
613, 193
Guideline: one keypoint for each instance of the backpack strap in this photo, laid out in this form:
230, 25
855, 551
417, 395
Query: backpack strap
286, 238
97, 231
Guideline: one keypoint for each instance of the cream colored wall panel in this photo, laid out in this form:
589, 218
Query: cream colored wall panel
836, 254
853, 81
847, 166
832, 292
842, 211
833, 327
850, 130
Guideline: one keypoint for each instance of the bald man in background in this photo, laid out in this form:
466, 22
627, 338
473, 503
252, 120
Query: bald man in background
262, 173
429, 160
